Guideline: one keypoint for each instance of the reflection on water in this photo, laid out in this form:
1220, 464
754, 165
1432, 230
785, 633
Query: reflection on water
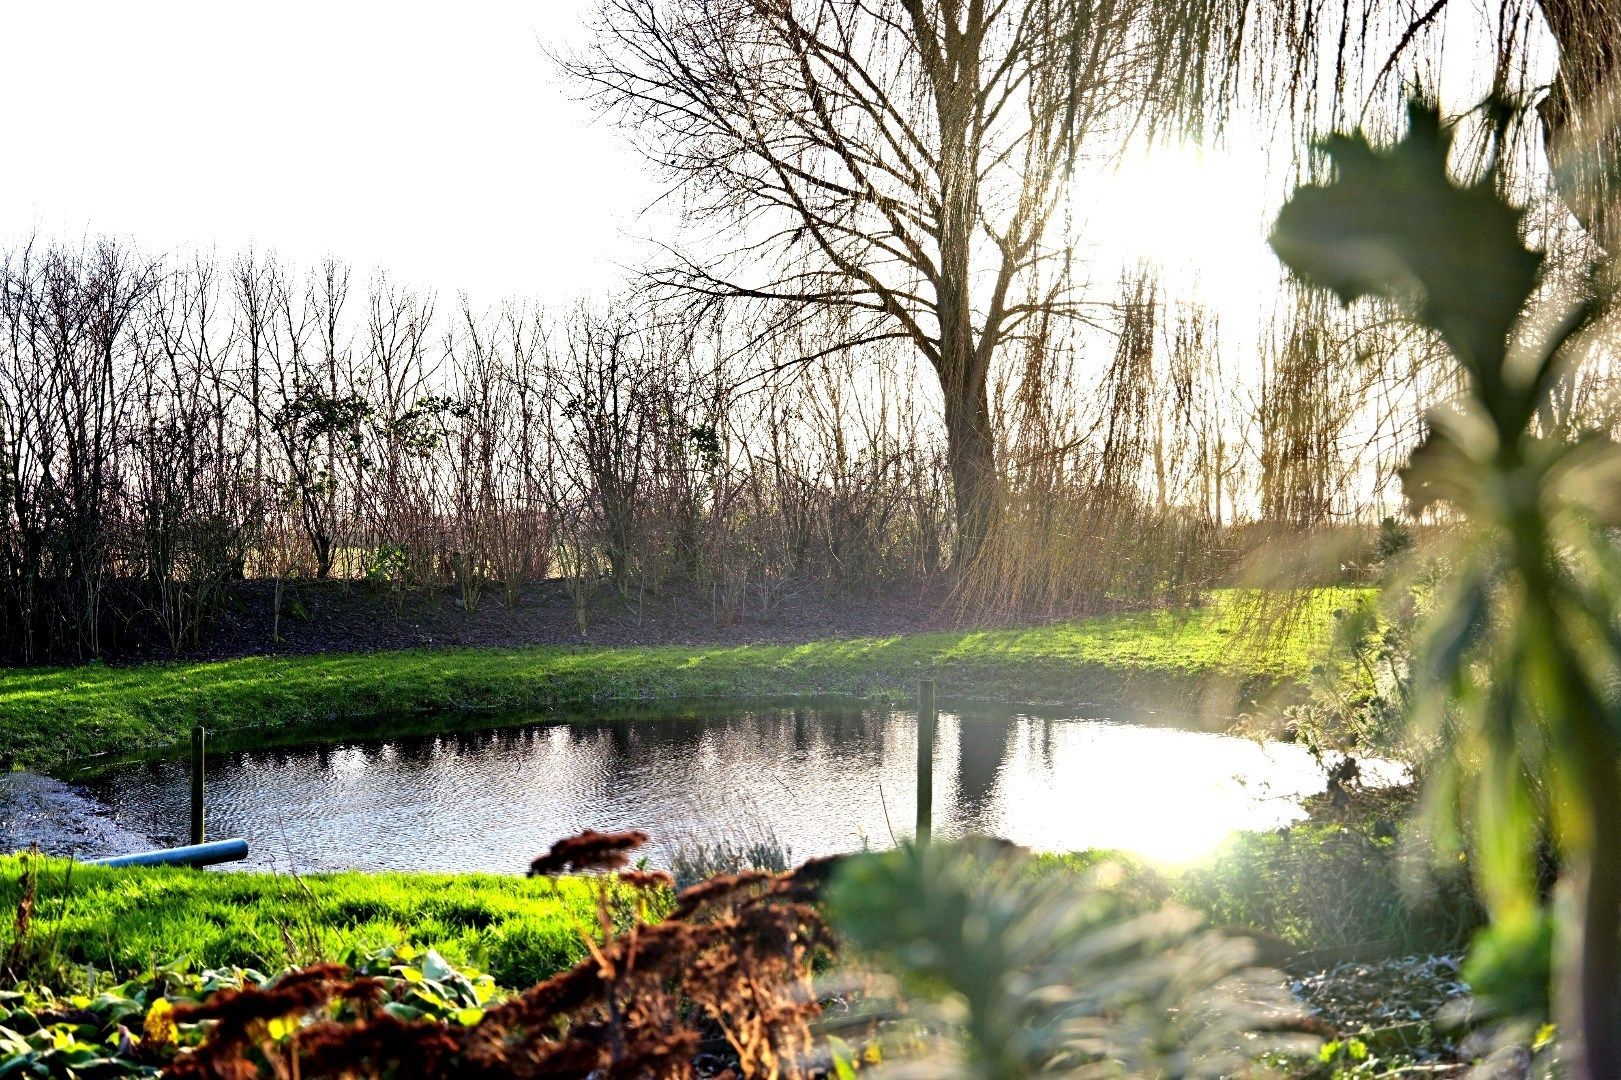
822, 780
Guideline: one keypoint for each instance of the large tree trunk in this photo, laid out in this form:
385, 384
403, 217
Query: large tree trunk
1589, 1003
970, 440
1581, 119
970, 451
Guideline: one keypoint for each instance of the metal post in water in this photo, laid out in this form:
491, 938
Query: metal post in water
925, 760
198, 735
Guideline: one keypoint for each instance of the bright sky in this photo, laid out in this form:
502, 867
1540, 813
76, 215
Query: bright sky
433, 141
430, 139
437, 142
1199, 214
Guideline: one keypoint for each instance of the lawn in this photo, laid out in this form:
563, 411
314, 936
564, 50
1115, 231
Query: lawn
1314, 887
49, 716
125, 920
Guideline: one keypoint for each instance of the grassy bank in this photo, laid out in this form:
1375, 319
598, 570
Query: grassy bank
52, 715
1315, 887
122, 921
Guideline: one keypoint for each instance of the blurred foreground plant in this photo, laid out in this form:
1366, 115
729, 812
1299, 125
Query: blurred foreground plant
1518, 663
1018, 974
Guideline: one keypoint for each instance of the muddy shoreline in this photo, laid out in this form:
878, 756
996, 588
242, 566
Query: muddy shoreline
61, 818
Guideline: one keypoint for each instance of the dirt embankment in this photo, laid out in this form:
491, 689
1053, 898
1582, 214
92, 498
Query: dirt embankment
338, 616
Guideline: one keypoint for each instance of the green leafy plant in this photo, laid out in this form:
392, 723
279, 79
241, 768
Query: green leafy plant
386, 563
138, 1027
1517, 664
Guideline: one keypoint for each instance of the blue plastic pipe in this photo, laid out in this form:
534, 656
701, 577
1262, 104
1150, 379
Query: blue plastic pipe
215, 851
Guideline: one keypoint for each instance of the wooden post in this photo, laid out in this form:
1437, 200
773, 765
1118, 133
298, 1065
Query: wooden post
198, 735
925, 760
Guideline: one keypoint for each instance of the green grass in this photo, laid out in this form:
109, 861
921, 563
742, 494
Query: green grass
1315, 887
49, 716
125, 920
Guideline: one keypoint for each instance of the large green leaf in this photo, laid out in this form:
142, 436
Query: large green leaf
1392, 223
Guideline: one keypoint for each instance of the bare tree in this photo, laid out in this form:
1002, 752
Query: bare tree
889, 169
168, 428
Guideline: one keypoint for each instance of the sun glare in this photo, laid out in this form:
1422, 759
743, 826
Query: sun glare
1198, 216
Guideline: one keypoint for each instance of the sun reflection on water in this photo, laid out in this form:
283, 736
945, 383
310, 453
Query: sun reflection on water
1167, 795
818, 780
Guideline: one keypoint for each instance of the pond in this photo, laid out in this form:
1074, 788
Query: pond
817, 780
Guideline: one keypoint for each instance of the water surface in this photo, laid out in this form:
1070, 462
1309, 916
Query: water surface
819, 779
